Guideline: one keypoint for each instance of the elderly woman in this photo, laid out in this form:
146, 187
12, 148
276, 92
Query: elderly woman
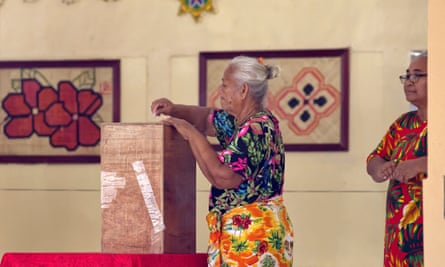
401, 159
248, 223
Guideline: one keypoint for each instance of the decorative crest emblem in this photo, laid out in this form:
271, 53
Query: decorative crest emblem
196, 8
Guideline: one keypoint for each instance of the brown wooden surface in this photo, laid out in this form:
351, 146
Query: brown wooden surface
169, 163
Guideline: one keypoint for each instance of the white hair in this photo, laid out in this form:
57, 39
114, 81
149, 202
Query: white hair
256, 74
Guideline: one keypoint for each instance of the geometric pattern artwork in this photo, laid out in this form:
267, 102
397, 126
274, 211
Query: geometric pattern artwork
307, 101
52, 111
310, 97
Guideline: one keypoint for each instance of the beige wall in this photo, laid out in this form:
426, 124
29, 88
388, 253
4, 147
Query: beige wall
338, 213
434, 186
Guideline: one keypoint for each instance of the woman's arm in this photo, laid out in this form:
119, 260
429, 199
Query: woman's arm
196, 115
380, 169
217, 173
408, 169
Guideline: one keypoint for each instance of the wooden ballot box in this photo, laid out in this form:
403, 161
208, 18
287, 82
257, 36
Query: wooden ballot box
147, 189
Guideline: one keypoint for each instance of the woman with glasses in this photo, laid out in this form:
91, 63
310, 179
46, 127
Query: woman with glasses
401, 159
248, 222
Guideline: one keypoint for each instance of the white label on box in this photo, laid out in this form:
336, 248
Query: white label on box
109, 185
149, 197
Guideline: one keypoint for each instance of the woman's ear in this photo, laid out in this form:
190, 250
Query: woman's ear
244, 90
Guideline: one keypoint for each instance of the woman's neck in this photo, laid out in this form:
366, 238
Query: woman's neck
246, 113
423, 114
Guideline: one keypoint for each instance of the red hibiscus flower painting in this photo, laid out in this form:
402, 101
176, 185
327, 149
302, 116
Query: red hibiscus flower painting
53, 110
64, 115
72, 115
26, 110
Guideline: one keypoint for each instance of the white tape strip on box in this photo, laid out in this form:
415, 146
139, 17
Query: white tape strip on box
109, 185
149, 197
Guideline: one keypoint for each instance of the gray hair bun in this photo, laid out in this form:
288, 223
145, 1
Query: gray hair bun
272, 71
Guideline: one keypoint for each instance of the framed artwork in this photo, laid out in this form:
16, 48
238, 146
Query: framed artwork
309, 98
51, 111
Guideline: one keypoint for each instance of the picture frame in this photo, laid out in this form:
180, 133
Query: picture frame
310, 98
51, 111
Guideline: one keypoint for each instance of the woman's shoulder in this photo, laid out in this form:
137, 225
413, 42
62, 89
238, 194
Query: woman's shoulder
221, 115
263, 117
408, 119
407, 115
262, 122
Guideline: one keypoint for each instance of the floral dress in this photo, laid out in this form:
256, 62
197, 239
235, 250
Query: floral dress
406, 139
249, 225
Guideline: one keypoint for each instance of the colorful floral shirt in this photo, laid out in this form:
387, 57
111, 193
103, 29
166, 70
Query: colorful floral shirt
255, 151
406, 139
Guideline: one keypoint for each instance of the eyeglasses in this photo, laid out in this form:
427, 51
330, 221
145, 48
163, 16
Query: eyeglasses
411, 77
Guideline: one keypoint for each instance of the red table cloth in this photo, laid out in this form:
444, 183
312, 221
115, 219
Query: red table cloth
102, 259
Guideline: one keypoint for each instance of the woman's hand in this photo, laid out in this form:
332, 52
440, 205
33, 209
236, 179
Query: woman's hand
387, 170
380, 169
162, 106
408, 169
183, 127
